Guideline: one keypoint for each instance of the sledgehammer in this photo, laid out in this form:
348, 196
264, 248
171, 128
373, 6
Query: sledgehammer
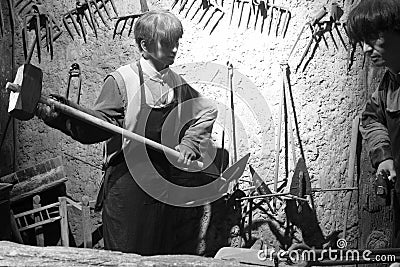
25, 94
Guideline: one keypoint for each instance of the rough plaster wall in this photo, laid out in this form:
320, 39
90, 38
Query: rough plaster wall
326, 97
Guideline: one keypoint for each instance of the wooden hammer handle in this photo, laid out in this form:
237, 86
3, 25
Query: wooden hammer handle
80, 115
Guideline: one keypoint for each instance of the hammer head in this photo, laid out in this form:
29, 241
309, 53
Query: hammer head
22, 104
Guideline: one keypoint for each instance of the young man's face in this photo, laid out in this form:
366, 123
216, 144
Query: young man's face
385, 51
164, 53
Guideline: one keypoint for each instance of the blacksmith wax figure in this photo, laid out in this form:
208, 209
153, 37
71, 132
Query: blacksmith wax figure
148, 98
376, 24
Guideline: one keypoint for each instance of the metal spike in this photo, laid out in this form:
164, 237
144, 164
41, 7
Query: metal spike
215, 25
50, 23
1, 20
248, 19
114, 7
317, 40
256, 18
278, 23
241, 13
123, 27
82, 26
182, 5
285, 25
37, 32
100, 14
212, 14
46, 27
197, 11
271, 16
340, 35
103, 2
88, 19
25, 38
190, 7
92, 17
174, 4
205, 12
131, 27
333, 39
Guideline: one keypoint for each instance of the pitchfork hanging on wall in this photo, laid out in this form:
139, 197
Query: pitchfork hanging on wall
88, 9
45, 27
129, 20
277, 16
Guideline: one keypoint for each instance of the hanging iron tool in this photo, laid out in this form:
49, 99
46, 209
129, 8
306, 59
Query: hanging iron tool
216, 9
261, 187
39, 20
311, 23
182, 6
233, 8
271, 16
74, 72
190, 7
273, 12
204, 4
231, 90
243, 2
23, 6
129, 18
287, 15
335, 14
174, 4
88, 9
1, 21
350, 56
316, 37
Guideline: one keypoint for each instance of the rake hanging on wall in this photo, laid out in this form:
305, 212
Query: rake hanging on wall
88, 10
259, 11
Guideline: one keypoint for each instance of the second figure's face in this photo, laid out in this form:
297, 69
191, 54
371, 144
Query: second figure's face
385, 51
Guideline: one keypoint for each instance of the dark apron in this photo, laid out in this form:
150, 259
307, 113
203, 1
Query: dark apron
133, 221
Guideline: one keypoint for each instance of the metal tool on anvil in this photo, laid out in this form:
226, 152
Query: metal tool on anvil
129, 18
25, 94
38, 19
88, 9
74, 72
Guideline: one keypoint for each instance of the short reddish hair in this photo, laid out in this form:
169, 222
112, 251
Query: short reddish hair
158, 26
